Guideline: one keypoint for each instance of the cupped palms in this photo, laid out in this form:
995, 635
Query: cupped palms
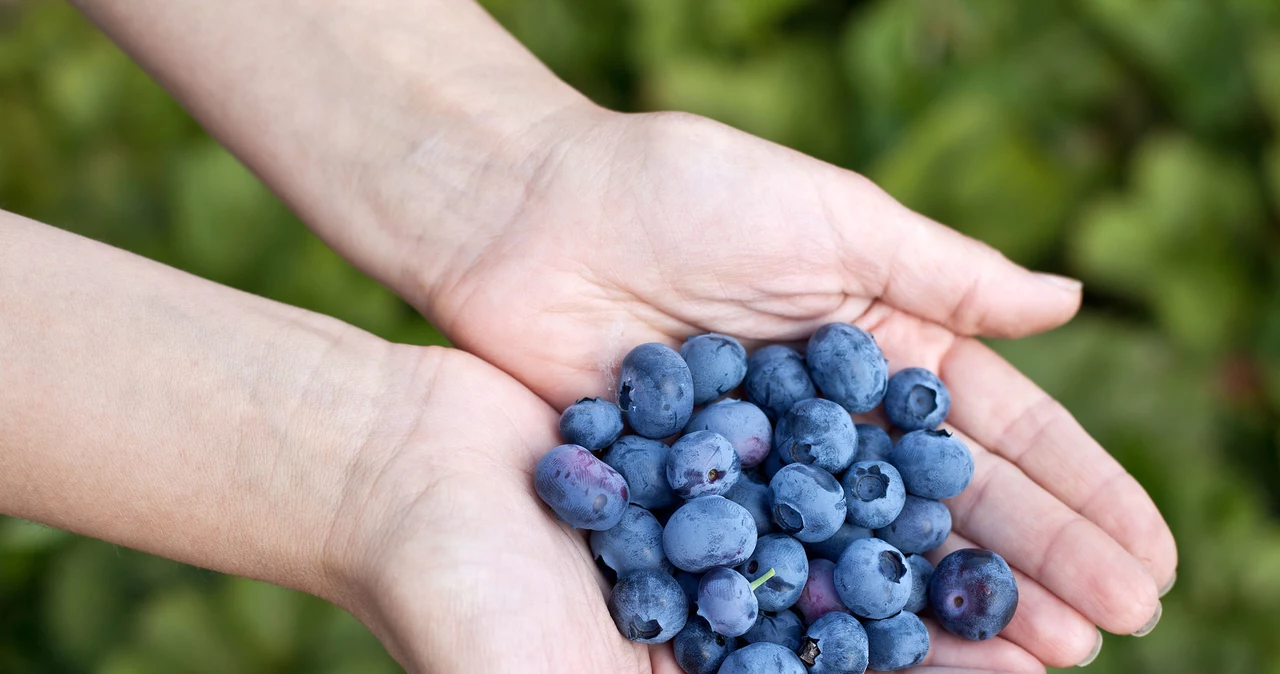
637, 228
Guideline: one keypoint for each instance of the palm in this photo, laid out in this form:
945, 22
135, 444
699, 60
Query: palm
649, 228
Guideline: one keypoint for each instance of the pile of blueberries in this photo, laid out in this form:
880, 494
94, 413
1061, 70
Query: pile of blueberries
775, 534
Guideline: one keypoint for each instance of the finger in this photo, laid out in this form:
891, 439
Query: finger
1043, 625
1005, 511
998, 654
663, 659
934, 272
1003, 410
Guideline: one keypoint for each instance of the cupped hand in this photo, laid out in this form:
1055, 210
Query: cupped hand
636, 228
456, 564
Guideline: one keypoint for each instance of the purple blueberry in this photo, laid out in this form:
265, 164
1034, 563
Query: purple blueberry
835, 644
874, 493
643, 464
921, 572
717, 362
648, 607
632, 544
762, 657
702, 463
916, 400
817, 432
753, 495
819, 596
873, 579
655, 390
933, 464
777, 379
699, 650
873, 443
726, 601
709, 531
808, 502
900, 642
744, 425
848, 366
923, 525
783, 628
592, 423
833, 547
973, 593
786, 556
582, 490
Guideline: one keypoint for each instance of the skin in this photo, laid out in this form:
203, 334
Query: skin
427, 146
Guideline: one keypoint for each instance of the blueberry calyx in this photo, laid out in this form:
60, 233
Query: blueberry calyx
809, 652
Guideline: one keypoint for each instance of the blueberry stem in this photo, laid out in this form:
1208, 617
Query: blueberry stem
762, 579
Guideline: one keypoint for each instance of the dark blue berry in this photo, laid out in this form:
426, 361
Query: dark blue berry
648, 607
582, 490
973, 594
848, 366
717, 362
655, 390
916, 400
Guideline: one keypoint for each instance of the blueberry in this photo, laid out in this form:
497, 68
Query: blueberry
689, 583
655, 390
753, 495
873, 443
819, 596
848, 367
717, 362
808, 502
643, 464
762, 657
702, 463
698, 650
922, 526
896, 643
726, 601
771, 464
933, 464
833, 547
786, 556
648, 607
777, 379
709, 531
835, 644
916, 400
817, 432
633, 544
873, 579
582, 490
783, 628
592, 423
744, 425
921, 572
874, 493
973, 593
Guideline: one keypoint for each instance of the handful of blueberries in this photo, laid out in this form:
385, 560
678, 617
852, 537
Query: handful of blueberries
775, 513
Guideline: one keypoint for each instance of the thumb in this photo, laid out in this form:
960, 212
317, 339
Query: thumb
941, 275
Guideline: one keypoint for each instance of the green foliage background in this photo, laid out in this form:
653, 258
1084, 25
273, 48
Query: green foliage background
1129, 143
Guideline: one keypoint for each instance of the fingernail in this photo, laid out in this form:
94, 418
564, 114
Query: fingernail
1093, 654
1151, 624
1169, 585
1061, 281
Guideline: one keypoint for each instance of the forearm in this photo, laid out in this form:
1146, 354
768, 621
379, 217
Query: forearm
159, 411
356, 111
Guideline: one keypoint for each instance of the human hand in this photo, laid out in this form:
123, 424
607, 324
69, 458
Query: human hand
635, 228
